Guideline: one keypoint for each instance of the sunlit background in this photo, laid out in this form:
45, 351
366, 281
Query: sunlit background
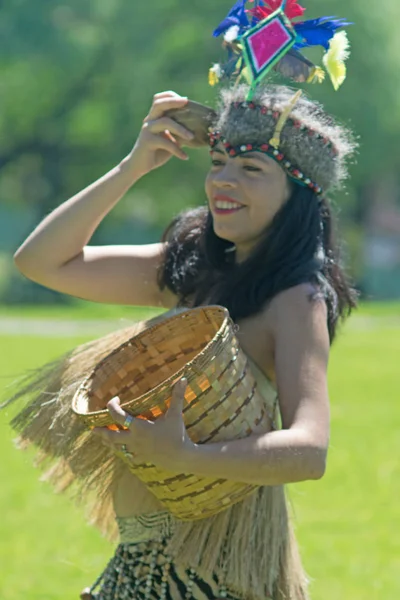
76, 80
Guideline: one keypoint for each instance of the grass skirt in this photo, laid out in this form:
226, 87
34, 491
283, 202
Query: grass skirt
250, 544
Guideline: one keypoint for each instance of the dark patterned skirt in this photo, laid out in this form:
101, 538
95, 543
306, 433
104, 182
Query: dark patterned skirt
144, 571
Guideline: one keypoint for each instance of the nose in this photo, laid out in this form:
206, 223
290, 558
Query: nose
225, 177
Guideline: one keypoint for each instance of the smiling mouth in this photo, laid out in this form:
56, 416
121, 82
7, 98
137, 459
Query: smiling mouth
226, 206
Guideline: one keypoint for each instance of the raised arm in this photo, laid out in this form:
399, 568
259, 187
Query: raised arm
56, 254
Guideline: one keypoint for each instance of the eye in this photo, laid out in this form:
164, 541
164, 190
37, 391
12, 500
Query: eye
216, 163
251, 168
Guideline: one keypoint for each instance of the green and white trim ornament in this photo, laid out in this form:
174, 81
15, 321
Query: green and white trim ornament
266, 44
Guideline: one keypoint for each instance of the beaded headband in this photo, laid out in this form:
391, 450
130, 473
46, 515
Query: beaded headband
290, 128
271, 149
294, 173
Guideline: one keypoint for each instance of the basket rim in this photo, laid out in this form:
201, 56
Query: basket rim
175, 377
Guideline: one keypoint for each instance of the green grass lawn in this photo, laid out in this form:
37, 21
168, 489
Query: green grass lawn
81, 309
346, 522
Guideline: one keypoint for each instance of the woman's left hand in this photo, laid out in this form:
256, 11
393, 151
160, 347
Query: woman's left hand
164, 442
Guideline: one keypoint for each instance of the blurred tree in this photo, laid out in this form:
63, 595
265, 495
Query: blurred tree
77, 78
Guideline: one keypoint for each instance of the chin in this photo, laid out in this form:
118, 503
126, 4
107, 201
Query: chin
224, 235
230, 235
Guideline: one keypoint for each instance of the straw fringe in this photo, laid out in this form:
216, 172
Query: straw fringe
251, 544
73, 460
293, 581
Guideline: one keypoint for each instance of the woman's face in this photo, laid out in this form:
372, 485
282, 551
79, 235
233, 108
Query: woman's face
244, 194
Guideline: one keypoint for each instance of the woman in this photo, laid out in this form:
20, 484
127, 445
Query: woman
263, 247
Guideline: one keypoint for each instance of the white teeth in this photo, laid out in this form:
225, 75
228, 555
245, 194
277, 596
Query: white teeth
224, 205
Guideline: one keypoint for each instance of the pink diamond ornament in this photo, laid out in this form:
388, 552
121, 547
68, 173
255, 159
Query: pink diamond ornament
266, 43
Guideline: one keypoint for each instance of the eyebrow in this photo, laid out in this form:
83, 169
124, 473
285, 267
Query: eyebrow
252, 155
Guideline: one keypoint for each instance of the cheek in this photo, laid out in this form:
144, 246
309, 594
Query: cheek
268, 199
208, 184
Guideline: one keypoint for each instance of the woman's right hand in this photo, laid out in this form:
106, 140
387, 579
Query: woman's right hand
160, 137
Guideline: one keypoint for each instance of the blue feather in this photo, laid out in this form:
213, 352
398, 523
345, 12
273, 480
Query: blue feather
318, 32
236, 16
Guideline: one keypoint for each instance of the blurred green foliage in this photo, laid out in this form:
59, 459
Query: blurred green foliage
77, 79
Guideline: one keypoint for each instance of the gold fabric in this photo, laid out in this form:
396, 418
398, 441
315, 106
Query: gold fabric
143, 528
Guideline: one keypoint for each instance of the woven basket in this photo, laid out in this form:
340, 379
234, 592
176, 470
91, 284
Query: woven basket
222, 399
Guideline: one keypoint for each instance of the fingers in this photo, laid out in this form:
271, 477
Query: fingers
165, 143
167, 94
163, 133
167, 124
161, 105
118, 414
178, 397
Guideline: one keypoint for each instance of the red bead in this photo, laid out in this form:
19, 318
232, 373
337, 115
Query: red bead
275, 115
265, 147
249, 147
296, 172
226, 145
252, 105
297, 124
232, 152
263, 110
280, 157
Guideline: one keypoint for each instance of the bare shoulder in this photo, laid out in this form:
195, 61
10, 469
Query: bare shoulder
295, 326
297, 321
298, 304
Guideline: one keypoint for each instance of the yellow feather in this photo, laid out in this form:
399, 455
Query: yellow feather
212, 78
339, 51
317, 75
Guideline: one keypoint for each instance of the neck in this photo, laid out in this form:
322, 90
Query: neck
243, 251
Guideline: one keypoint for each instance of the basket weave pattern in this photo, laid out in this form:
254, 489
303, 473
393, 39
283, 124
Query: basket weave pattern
222, 399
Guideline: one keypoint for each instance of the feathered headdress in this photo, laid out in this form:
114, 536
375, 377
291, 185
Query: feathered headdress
292, 129
269, 35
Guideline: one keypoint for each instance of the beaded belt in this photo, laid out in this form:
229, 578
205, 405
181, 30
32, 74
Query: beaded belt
142, 528
143, 581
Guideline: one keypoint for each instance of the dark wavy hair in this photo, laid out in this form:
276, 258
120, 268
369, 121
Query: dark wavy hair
298, 246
